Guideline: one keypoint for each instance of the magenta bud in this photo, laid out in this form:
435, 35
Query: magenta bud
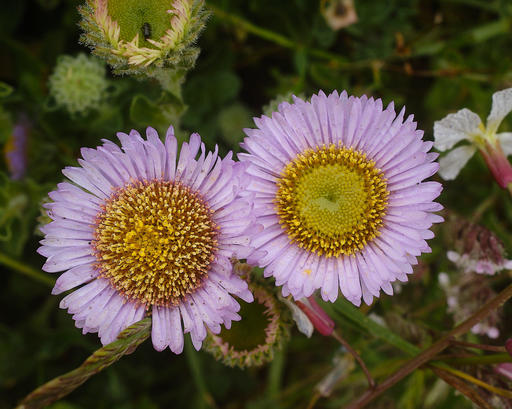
318, 317
504, 369
508, 346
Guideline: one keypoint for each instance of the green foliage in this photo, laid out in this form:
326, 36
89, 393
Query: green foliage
432, 57
17, 215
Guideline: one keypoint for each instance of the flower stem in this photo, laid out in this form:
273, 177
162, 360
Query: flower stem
483, 347
194, 364
283, 41
433, 350
456, 383
475, 359
62, 385
336, 335
31, 272
482, 384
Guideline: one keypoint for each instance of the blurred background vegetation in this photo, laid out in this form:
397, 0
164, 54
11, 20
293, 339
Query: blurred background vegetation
434, 57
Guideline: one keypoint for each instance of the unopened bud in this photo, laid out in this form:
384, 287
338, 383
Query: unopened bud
318, 317
139, 36
504, 369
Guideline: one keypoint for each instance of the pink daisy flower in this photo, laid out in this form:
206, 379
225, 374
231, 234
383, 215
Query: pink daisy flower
143, 230
338, 186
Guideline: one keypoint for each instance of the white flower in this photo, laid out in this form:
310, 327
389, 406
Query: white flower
484, 265
466, 125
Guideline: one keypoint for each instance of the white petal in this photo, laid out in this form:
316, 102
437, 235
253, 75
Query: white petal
454, 128
505, 139
501, 106
451, 164
304, 325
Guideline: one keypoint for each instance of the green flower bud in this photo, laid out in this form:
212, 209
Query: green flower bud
78, 84
139, 36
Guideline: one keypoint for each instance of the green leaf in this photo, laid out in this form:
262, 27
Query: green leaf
145, 112
346, 309
57, 388
5, 89
414, 392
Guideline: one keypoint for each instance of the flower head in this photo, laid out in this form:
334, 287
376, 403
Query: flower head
135, 35
144, 229
338, 188
338, 13
465, 293
465, 125
78, 84
478, 250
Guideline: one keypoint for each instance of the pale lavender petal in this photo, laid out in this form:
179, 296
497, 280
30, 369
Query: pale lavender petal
160, 328
394, 143
176, 341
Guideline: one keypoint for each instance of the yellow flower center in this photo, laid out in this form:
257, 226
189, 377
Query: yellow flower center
331, 200
155, 242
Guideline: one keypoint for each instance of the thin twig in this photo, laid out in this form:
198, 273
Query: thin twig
342, 341
313, 401
483, 347
458, 384
433, 350
475, 359
482, 384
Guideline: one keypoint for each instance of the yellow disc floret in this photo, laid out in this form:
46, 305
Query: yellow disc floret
155, 241
331, 200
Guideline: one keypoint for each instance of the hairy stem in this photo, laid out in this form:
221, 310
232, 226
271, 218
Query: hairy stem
62, 385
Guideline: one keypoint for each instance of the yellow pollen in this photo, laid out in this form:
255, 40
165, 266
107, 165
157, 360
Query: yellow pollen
155, 241
331, 201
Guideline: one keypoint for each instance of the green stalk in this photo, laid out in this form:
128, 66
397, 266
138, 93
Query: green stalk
24, 269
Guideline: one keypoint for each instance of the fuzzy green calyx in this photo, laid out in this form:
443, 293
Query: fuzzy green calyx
253, 340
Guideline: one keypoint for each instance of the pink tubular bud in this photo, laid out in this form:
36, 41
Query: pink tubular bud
504, 369
318, 317
498, 164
